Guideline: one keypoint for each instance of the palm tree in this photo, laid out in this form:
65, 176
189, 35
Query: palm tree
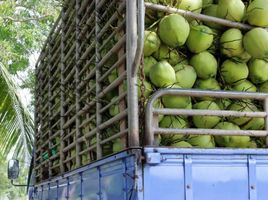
16, 123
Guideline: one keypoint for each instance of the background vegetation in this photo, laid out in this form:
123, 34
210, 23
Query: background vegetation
24, 26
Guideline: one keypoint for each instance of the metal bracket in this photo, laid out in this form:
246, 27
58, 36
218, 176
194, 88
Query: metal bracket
252, 184
18, 185
153, 158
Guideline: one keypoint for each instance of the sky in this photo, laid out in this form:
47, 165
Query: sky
25, 96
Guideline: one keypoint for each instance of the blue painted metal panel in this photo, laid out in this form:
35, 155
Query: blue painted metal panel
109, 179
164, 181
218, 151
220, 180
62, 188
37, 194
75, 187
167, 174
207, 174
45, 192
53, 189
262, 179
90, 186
112, 180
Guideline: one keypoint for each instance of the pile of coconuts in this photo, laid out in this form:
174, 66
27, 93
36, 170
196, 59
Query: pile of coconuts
181, 52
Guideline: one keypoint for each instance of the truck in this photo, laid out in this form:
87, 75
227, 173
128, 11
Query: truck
96, 135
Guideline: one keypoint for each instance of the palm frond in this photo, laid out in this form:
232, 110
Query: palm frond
16, 123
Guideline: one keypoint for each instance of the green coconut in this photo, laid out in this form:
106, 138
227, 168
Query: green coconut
112, 58
207, 3
212, 11
125, 85
185, 75
110, 95
245, 86
199, 39
172, 122
172, 3
233, 72
151, 43
93, 141
203, 141
162, 74
223, 103
188, 107
174, 30
257, 13
255, 42
258, 71
194, 23
207, 84
226, 126
255, 124
107, 149
180, 65
157, 104
174, 101
148, 63
183, 61
224, 140
147, 88
231, 141
113, 76
213, 49
168, 54
191, 5
110, 131
243, 57
233, 10
242, 106
206, 121
252, 144
264, 87
232, 43
181, 144
114, 109
205, 65
117, 145
239, 142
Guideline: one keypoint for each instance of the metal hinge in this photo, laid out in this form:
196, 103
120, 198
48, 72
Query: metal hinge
153, 158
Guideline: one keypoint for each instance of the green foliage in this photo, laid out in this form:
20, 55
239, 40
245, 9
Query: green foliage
24, 25
16, 127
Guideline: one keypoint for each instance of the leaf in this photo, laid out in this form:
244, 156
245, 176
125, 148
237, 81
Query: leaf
16, 123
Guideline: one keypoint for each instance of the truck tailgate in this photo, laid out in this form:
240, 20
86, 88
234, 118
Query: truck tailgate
216, 174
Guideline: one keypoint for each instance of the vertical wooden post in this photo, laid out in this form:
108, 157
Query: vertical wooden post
62, 89
77, 81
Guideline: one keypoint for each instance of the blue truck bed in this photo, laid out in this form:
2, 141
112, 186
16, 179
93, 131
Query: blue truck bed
165, 174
